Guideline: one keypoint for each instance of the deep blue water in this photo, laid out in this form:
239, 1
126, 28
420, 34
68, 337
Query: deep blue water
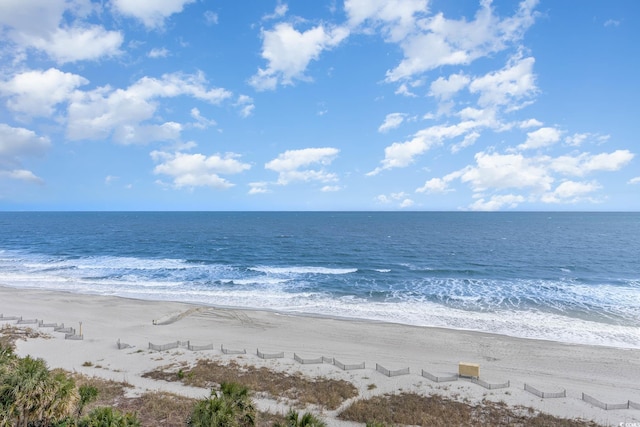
572, 277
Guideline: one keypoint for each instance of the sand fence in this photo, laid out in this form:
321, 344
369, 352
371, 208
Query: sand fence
178, 344
69, 333
544, 394
389, 373
609, 406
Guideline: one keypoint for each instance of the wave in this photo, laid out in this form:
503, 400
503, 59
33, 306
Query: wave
302, 270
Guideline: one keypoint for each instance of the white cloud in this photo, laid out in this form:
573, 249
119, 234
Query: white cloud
280, 10
21, 175
401, 198
246, 105
397, 17
57, 28
612, 23
211, 17
406, 203
79, 43
259, 188
571, 192
434, 185
17, 144
402, 154
445, 88
497, 202
506, 86
289, 52
585, 163
635, 180
293, 165
540, 138
330, 188
198, 170
501, 171
436, 41
530, 123
126, 114
36, 93
404, 90
152, 13
391, 121
158, 53
201, 122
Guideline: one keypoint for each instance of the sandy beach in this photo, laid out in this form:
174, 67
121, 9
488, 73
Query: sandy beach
610, 375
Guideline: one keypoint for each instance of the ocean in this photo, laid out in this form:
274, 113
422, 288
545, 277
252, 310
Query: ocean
570, 277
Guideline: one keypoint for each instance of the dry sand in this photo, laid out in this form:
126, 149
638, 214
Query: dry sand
611, 375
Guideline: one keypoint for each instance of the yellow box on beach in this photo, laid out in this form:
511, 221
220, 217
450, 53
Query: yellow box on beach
469, 370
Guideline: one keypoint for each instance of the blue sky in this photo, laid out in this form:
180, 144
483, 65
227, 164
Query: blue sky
319, 105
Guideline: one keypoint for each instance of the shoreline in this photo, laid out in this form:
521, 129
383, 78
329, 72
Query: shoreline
609, 374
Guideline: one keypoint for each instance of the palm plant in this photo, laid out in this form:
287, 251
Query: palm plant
232, 407
307, 420
109, 417
31, 394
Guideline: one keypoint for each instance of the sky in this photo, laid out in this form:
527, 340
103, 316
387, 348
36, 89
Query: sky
319, 105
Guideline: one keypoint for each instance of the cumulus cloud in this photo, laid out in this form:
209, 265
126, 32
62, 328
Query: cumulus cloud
245, 105
402, 154
586, 163
158, 53
295, 165
497, 202
197, 170
540, 138
391, 121
16, 145
289, 52
571, 192
396, 17
151, 13
127, 114
57, 27
495, 176
501, 171
635, 180
280, 10
36, 93
259, 188
435, 41
445, 88
507, 86
400, 198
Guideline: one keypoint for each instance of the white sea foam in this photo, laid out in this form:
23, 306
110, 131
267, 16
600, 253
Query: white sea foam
302, 270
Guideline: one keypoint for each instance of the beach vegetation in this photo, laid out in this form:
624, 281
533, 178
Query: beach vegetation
30, 393
436, 410
294, 419
108, 416
230, 407
324, 392
88, 394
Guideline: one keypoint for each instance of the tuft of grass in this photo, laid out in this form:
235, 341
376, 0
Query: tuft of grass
372, 386
324, 392
87, 364
438, 411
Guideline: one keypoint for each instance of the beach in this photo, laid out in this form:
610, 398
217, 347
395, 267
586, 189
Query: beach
610, 375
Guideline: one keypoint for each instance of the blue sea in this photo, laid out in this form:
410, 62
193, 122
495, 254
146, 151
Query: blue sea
570, 277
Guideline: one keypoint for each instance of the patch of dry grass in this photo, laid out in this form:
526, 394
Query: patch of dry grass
438, 411
9, 334
324, 392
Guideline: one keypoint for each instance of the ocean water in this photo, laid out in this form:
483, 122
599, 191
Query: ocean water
571, 277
